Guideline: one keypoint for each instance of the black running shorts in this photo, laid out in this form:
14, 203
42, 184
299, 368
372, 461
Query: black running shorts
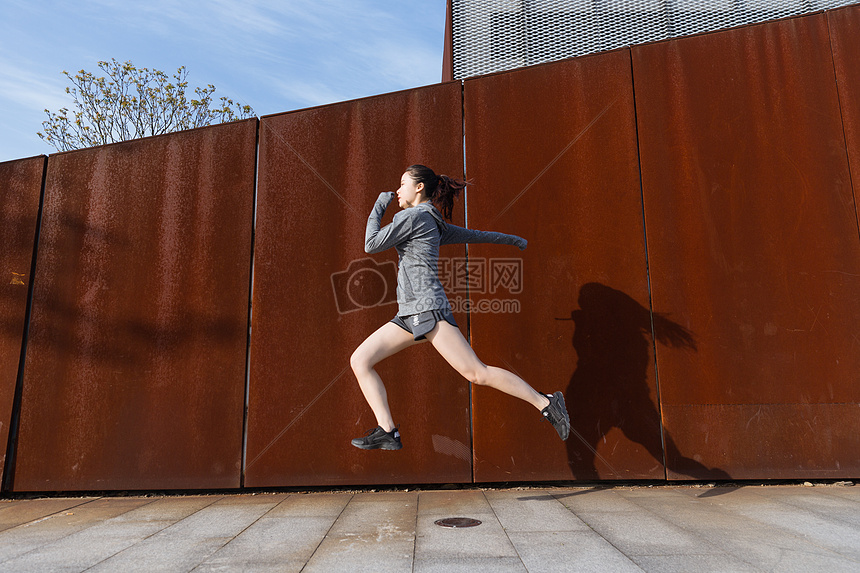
423, 322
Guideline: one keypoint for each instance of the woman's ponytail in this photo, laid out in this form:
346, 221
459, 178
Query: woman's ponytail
446, 193
440, 189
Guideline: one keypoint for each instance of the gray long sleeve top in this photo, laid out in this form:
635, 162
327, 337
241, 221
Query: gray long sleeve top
417, 233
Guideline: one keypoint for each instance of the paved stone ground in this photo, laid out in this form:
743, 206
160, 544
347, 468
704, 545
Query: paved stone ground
622, 528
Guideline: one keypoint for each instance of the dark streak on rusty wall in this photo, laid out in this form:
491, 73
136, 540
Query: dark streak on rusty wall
136, 359
552, 153
20, 191
845, 42
753, 246
317, 296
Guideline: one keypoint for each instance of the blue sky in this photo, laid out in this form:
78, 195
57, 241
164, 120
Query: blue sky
274, 55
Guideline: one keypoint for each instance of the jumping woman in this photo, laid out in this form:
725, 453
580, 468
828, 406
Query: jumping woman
424, 312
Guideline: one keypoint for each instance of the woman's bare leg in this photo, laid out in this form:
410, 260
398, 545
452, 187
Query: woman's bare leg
389, 339
449, 342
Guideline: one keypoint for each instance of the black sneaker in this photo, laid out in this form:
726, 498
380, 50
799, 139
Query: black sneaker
556, 413
377, 438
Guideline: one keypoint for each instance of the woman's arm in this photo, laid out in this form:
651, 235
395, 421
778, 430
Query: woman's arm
455, 235
377, 240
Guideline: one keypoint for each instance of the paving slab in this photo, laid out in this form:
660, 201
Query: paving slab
487, 540
90, 546
596, 499
851, 493
485, 547
574, 551
190, 541
454, 503
271, 544
533, 511
687, 563
470, 565
18, 512
765, 546
375, 533
624, 528
821, 500
34, 535
772, 508
284, 539
642, 533
316, 505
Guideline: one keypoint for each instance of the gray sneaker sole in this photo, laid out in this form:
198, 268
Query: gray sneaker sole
378, 446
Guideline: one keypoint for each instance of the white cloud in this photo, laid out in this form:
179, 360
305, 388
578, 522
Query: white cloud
298, 93
405, 63
26, 87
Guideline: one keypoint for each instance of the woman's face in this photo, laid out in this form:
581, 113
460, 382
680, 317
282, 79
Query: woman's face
410, 193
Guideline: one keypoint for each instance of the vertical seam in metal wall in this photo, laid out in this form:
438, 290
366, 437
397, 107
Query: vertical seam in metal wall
250, 310
842, 122
14, 423
468, 290
648, 265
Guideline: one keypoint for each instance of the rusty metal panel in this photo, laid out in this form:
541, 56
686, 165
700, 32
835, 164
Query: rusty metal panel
767, 441
320, 172
135, 369
448, 49
845, 43
552, 154
753, 247
20, 191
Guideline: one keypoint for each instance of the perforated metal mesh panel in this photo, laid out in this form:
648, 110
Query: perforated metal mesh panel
496, 35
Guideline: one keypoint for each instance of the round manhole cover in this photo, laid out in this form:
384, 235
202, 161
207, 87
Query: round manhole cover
457, 522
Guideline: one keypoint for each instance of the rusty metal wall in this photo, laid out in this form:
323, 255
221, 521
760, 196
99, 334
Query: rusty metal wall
20, 192
753, 248
135, 368
552, 154
317, 296
845, 43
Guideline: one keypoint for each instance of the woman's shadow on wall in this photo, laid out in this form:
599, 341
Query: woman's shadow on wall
609, 388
